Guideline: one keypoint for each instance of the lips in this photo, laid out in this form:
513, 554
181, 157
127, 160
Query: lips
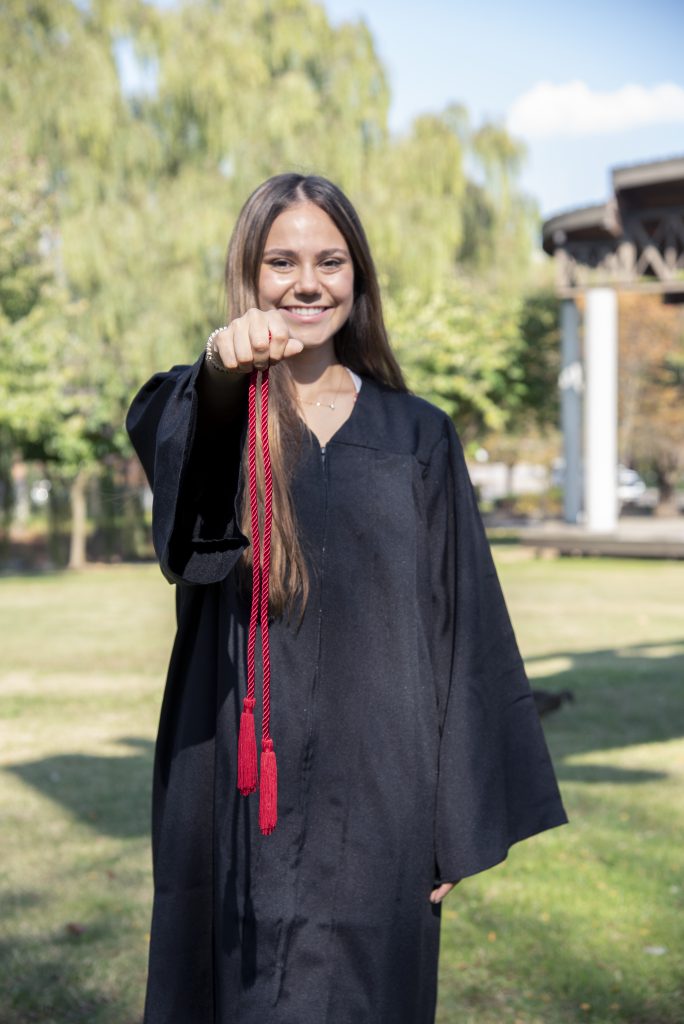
306, 314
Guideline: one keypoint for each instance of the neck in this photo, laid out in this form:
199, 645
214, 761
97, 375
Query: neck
310, 365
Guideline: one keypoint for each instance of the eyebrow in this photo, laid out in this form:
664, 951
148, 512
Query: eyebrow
291, 252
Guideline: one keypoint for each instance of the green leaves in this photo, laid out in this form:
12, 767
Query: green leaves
116, 208
464, 347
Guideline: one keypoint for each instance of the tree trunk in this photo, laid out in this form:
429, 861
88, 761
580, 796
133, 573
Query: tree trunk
77, 496
7, 489
510, 469
667, 495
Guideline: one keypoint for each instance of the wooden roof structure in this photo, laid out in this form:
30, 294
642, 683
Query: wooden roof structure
633, 241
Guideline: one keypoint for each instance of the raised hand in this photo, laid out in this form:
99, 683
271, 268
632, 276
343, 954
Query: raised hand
244, 344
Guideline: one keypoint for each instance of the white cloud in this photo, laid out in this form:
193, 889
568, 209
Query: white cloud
573, 109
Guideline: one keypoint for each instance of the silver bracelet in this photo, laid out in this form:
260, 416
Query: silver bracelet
211, 353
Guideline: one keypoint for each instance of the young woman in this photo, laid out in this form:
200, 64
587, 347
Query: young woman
409, 750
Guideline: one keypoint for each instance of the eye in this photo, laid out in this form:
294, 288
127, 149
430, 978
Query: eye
278, 263
332, 263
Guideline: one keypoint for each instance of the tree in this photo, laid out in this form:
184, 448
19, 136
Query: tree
499, 220
121, 264
651, 391
414, 206
460, 348
489, 359
63, 402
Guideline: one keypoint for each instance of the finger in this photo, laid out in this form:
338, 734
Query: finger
223, 343
242, 344
279, 335
293, 347
259, 338
438, 894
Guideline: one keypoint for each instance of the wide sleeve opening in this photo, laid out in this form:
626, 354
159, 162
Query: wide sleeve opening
195, 476
496, 783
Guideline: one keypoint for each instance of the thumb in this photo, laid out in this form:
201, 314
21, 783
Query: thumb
293, 347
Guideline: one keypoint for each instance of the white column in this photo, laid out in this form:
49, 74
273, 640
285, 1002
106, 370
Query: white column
571, 385
600, 410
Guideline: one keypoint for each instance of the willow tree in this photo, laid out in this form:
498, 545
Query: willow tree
62, 109
144, 187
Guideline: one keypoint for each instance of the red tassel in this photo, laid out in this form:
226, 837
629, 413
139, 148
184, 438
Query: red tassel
268, 789
247, 755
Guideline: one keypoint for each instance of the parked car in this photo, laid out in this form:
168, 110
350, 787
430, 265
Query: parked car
630, 486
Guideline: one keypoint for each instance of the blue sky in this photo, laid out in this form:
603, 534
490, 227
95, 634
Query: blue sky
557, 74
587, 85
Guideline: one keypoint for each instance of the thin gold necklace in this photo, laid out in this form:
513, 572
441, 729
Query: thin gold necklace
328, 405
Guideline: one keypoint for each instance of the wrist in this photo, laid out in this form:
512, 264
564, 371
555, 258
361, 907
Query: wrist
211, 354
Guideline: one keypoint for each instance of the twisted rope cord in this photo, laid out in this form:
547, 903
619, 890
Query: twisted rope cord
268, 516
247, 769
256, 556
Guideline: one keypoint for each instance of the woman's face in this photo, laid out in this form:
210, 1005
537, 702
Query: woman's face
307, 274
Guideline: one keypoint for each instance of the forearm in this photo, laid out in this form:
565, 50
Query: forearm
222, 398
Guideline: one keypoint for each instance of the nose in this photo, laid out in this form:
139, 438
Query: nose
307, 280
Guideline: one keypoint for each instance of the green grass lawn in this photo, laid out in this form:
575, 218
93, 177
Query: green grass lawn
581, 923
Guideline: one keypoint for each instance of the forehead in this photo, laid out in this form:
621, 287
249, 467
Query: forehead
305, 227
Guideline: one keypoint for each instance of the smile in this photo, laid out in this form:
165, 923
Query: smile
311, 313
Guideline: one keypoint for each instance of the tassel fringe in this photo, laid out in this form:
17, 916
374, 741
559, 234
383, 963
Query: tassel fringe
247, 753
268, 789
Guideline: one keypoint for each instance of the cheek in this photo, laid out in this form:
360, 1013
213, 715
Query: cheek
261, 288
268, 287
345, 290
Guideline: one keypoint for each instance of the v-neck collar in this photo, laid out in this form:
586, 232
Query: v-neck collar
352, 421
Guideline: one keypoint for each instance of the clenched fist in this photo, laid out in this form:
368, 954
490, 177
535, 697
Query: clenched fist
244, 345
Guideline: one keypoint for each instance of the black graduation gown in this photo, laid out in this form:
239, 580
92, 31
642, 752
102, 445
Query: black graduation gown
409, 747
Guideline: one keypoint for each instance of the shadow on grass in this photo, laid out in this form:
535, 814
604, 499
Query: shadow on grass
607, 774
111, 795
45, 980
624, 696
18, 900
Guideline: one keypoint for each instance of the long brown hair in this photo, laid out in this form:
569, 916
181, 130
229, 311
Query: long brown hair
361, 344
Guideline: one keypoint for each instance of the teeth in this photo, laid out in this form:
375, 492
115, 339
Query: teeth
306, 310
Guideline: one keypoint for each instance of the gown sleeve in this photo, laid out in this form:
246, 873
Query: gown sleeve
196, 486
496, 783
